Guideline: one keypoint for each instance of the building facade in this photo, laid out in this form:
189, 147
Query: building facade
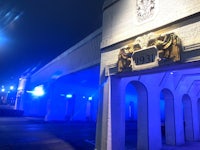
152, 45
143, 65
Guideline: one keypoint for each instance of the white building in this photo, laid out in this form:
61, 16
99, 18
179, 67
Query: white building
145, 63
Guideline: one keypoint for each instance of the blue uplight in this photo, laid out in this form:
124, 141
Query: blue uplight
69, 96
90, 98
11, 87
38, 91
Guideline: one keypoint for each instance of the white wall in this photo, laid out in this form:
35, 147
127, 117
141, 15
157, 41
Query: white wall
120, 20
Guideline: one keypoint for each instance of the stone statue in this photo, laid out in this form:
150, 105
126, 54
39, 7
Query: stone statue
124, 59
169, 46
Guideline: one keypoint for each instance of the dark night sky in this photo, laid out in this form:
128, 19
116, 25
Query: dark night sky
45, 29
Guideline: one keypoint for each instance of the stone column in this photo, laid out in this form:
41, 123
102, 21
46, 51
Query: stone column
21, 92
152, 123
102, 140
198, 112
88, 110
188, 120
195, 118
178, 111
50, 98
154, 119
170, 134
117, 114
111, 120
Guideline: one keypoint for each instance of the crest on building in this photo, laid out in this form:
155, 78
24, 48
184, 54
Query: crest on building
149, 51
146, 9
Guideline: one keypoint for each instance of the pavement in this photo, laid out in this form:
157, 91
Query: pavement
28, 133
186, 146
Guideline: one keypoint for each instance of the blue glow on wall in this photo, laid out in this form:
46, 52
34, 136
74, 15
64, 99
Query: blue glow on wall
71, 97
162, 107
162, 110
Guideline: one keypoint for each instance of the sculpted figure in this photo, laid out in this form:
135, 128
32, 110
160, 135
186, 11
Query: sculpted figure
167, 46
124, 59
170, 46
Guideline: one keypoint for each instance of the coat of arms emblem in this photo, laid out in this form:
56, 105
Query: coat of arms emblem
145, 9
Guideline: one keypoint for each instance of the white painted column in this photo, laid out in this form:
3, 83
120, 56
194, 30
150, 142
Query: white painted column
195, 118
143, 120
103, 131
170, 134
178, 111
188, 120
111, 121
21, 93
153, 111
117, 114
154, 120
88, 110
198, 112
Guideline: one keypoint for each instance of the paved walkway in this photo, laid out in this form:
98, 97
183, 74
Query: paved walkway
25, 133
35, 134
186, 146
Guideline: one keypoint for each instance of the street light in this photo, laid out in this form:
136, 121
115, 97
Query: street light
11, 87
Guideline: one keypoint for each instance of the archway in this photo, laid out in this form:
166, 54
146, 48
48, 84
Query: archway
187, 118
167, 117
130, 116
141, 104
131, 103
198, 111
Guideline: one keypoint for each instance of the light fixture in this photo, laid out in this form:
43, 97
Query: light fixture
90, 98
38, 91
69, 95
11, 87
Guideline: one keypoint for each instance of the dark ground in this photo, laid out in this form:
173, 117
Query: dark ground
35, 134
27, 133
